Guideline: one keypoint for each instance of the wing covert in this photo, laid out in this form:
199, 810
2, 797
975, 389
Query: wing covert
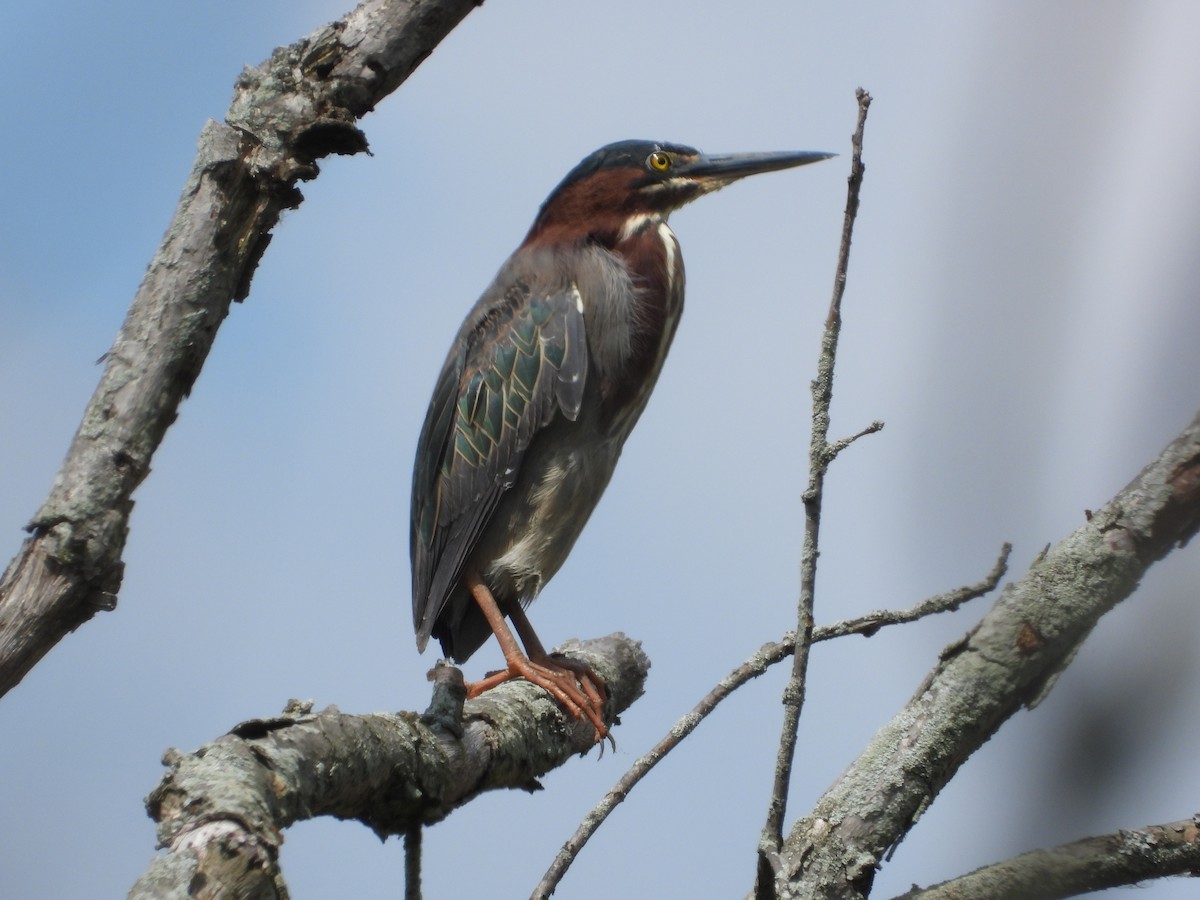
518, 363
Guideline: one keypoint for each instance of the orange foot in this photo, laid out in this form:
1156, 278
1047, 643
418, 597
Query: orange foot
573, 684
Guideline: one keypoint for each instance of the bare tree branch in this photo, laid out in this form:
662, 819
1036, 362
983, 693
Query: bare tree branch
1092, 864
221, 809
821, 454
1010, 659
948, 602
292, 110
765, 657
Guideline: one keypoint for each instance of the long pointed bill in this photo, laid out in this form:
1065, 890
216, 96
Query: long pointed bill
712, 171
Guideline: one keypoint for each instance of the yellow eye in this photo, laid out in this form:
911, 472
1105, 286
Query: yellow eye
659, 161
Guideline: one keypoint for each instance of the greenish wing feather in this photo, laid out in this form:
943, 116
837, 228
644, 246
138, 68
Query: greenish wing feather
524, 362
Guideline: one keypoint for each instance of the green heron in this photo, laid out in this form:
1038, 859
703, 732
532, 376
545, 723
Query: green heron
545, 380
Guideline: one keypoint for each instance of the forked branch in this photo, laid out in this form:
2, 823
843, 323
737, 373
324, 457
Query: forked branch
765, 657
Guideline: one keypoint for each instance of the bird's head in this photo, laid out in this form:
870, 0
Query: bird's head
639, 180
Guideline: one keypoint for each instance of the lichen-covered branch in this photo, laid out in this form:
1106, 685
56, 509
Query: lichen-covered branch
287, 113
1007, 661
1080, 867
221, 809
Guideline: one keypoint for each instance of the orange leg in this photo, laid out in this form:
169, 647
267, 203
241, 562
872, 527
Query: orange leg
592, 684
582, 698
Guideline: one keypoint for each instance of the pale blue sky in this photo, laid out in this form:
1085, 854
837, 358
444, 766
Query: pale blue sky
1021, 312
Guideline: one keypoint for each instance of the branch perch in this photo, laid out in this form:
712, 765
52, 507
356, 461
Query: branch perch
221, 809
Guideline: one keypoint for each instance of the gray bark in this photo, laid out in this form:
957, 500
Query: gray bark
221, 809
1093, 864
298, 106
1008, 661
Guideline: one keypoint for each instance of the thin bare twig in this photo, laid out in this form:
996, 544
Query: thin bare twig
948, 602
1092, 864
821, 454
765, 657
832, 450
